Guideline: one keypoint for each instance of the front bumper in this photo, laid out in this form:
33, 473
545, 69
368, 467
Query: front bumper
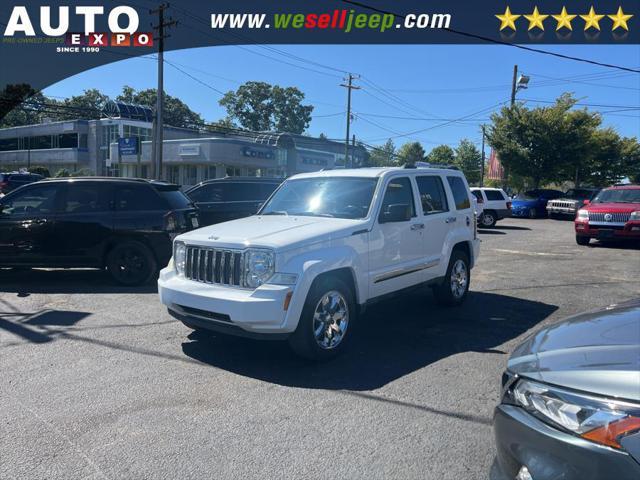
217, 307
520, 211
628, 231
550, 454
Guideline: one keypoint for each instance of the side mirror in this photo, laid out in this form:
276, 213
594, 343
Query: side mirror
586, 202
397, 212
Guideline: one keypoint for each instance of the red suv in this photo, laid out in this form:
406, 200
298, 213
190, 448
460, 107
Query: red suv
614, 214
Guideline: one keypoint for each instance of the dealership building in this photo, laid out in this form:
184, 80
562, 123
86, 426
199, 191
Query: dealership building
121, 146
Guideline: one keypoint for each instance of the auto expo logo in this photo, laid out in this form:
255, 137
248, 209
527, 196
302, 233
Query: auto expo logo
123, 22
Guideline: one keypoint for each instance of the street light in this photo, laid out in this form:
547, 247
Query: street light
523, 82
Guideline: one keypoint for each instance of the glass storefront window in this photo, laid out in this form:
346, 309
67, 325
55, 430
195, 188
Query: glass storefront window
210, 172
190, 175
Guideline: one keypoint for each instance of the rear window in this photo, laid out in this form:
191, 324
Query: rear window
494, 195
460, 195
478, 195
137, 198
176, 199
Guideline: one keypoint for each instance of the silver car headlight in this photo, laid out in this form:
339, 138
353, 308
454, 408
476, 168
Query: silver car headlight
583, 214
259, 267
179, 257
596, 419
635, 215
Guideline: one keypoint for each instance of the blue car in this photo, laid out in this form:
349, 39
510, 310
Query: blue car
533, 204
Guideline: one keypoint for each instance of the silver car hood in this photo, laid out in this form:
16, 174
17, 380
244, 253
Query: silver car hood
597, 352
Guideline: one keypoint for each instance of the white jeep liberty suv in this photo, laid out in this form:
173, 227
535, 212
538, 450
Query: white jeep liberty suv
324, 246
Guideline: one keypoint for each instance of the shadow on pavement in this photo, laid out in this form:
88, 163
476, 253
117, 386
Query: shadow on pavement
22, 323
510, 227
393, 339
619, 245
25, 282
484, 231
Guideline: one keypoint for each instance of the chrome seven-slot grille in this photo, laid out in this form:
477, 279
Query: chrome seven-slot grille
614, 217
563, 203
212, 265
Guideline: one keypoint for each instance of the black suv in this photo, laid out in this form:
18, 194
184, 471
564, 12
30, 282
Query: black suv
123, 225
11, 181
229, 198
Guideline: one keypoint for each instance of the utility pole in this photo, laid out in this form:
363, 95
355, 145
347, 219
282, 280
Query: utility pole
349, 86
353, 147
483, 159
158, 137
513, 84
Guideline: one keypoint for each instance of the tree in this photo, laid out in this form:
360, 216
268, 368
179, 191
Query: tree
631, 158
469, 159
383, 156
441, 155
545, 143
20, 105
612, 158
89, 105
410, 153
260, 106
175, 113
322, 136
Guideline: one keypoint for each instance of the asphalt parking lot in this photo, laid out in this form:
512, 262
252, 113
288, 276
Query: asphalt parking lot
98, 381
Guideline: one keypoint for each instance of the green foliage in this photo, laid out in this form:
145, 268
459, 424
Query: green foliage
44, 171
63, 172
383, 156
442, 155
13, 112
410, 153
261, 106
176, 112
83, 172
468, 159
558, 143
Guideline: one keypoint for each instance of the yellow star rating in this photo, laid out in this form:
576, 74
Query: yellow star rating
591, 20
536, 19
564, 19
620, 19
507, 20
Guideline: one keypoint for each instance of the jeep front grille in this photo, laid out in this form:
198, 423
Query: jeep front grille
213, 265
615, 217
563, 204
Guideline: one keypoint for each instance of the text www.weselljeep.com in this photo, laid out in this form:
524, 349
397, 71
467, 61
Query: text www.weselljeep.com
344, 20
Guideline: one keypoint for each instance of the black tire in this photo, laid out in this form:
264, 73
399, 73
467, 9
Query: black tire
303, 341
448, 294
533, 213
131, 263
582, 240
488, 219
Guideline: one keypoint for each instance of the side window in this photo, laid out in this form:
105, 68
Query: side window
459, 190
137, 197
39, 200
86, 198
478, 195
432, 195
398, 198
266, 189
212, 192
494, 195
239, 192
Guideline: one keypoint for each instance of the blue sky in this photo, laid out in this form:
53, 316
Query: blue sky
405, 88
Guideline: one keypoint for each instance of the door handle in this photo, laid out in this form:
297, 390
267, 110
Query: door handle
40, 221
417, 226
450, 220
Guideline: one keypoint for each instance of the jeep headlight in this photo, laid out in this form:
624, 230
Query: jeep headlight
259, 267
596, 419
583, 214
635, 215
179, 257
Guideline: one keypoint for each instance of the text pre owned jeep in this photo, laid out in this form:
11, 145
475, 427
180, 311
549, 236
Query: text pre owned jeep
324, 246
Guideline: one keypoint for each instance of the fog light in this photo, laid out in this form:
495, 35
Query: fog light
635, 229
524, 474
579, 226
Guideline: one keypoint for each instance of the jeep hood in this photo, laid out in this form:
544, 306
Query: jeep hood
596, 352
273, 231
613, 207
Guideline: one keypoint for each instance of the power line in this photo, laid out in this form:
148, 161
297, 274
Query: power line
500, 42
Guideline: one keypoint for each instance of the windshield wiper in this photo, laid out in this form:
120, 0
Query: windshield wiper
277, 212
315, 214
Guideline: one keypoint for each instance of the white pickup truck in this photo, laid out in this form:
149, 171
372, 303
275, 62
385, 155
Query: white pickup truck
323, 247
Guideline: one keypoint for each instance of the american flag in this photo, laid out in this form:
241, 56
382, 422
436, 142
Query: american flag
496, 171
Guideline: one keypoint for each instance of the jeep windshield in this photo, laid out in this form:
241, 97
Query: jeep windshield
618, 196
339, 197
578, 194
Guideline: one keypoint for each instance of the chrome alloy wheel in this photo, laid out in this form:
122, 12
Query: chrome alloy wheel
459, 279
487, 220
330, 320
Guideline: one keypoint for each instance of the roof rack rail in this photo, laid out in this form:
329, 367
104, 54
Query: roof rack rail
430, 165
